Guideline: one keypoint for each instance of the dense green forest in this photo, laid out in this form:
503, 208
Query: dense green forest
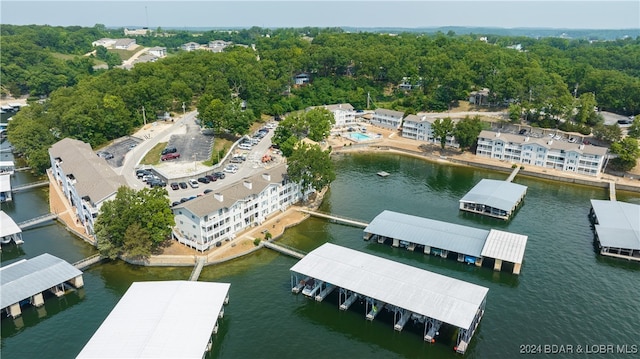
548, 79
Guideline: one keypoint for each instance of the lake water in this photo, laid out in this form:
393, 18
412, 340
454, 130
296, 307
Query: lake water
566, 293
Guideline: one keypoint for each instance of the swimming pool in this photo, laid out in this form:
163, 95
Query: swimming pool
359, 136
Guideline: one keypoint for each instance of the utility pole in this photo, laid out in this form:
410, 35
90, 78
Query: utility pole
183, 109
144, 117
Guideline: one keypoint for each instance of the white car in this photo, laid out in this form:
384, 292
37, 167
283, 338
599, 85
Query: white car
244, 146
193, 183
231, 169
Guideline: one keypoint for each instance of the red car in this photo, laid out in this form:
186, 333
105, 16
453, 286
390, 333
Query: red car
170, 156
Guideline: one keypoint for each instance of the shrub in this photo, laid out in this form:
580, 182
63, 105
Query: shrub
256, 242
514, 166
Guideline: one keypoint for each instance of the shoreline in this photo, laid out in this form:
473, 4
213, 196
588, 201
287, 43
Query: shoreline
178, 255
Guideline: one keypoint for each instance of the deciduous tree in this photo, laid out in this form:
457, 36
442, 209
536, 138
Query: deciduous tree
441, 129
310, 166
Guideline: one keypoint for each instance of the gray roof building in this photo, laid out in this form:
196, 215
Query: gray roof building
617, 227
26, 278
494, 198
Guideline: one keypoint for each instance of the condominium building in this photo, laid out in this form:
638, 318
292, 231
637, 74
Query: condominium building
420, 127
387, 118
343, 113
207, 221
86, 180
544, 152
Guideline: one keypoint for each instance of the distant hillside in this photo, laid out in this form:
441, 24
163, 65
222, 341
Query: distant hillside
586, 34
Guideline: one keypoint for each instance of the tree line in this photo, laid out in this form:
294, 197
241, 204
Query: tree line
545, 82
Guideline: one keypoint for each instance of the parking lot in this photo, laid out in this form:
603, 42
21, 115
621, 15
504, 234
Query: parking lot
118, 149
192, 145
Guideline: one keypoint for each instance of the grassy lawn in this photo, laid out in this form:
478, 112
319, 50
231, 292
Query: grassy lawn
220, 146
58, 55
153, 156
125, 54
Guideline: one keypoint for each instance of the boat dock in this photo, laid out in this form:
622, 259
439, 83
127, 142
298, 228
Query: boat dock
6, 195
338, 219
292, 252
616, 226
494, 198
466, 244
410, 293
25, 282
172, 319
10, 230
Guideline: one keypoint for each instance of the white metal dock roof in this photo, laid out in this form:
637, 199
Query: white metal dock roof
433, 295
168, 319
425, 231
618, 224
23, 279
8, 226
497, 194
506, 246
5, 182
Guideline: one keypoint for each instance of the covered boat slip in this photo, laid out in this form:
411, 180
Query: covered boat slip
165, 319
440, 238
493, 198
617, 228
5, 188
9, 230
27, 279
409, 292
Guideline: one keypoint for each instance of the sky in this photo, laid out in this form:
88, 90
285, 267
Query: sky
568, 14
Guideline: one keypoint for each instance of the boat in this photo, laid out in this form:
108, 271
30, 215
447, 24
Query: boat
383, 174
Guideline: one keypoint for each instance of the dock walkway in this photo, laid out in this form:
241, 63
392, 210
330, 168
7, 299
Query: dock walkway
197, 269
284, 249
38, 220
30, 186
339, 219
87, 262
513, 174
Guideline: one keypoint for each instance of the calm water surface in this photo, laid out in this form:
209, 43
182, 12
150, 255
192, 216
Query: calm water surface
566, 294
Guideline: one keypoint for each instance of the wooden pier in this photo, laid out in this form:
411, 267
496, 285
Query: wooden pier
197, 269
38, 220
339, 219
284, 250
30, 186
89, 261
513, 174
612, 191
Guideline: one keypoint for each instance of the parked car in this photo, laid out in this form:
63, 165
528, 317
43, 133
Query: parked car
231, 169
174, 186
219, 175
141, 173
522, 131
170, 156
175, 203
106, 155
211, 178
208, 190
244, 146
275, 146
157, 183
182, 185
203, 180
169, 150
193, 183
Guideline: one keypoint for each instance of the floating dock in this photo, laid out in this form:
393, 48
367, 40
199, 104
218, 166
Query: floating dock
9, 230
26, 280
617, 228
383, 174
164, 319
6, 194
494, 198
471, 245
410, 293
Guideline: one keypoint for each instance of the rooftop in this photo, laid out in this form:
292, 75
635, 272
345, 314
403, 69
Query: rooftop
495, 193
8, 227
164, 319
425, 231
618, 224
25, 278
545, 142
433, 295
